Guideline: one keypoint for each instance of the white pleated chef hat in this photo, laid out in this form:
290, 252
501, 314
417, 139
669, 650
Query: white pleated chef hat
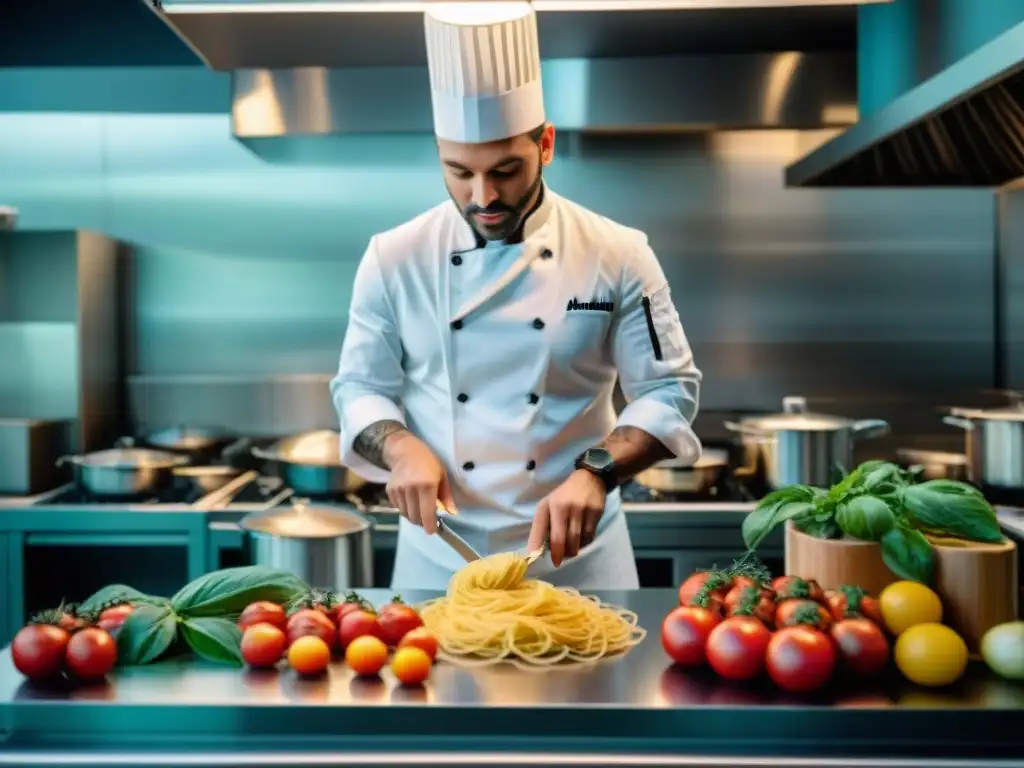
484, 65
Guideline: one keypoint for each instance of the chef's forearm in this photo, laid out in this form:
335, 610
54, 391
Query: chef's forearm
633, 450
375, 443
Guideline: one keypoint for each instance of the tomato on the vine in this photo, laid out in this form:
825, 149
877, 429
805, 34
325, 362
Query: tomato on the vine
263, 612
352, 602
793, 586
395, 620
796, 610
263, 644
862, 646
849, 602
736, 647
357, 624
311, 622
684, 634
112, 618
747, 600
800, 659
38, 650
91, 653
719, 586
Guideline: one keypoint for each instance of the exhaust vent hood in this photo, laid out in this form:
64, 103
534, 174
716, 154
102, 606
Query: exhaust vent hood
963, 127
286, 34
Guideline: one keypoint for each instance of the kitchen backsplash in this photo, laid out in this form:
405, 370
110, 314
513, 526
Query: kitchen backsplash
873, 302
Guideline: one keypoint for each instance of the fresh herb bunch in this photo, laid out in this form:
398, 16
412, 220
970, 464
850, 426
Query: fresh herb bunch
881, 502
200, 617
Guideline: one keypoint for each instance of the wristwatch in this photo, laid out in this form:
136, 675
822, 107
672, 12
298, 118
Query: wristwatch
599, 462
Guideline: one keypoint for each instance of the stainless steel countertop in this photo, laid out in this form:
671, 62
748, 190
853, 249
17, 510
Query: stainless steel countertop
638, 702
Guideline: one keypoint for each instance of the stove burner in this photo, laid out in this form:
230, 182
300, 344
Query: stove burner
179, 492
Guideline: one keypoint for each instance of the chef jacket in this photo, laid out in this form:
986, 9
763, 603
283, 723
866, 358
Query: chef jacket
503, 359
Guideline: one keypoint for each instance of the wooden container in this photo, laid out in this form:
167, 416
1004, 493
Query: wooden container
976, 582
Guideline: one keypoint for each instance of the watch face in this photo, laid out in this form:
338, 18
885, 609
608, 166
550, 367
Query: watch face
598, 458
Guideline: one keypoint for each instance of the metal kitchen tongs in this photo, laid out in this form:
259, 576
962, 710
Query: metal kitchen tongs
460, 545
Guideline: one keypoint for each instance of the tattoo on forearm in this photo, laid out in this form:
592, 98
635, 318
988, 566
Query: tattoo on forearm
633, 451
370, 442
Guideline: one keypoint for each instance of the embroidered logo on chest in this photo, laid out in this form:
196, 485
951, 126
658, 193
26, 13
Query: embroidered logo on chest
594, 306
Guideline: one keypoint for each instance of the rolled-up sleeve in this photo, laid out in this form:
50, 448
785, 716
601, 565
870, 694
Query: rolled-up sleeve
370, 378
656, 370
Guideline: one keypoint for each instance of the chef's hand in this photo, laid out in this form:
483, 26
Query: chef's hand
568, 516
418, 481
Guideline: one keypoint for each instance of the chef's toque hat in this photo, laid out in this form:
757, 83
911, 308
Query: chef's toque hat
484, 65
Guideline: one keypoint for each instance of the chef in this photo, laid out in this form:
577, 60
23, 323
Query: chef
486, 335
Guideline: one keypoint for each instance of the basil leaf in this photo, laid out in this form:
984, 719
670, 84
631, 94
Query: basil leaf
146, 634
116, 594
950, 508
865, 518
759, 523
225, 593
820, 529
908, 554
217, 640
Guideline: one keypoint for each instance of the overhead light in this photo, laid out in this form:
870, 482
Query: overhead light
418, 6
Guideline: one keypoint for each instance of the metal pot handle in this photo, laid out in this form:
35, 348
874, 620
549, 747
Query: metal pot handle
956, 421
125, 442
60, 462
750, 432
870, 428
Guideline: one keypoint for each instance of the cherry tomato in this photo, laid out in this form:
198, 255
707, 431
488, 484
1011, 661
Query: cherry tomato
421, 638
684, 634
91, 653
862, 646
263, 612
396, 620
800, 659
793, 586
341, 610
309, 655
112, 618
802, 611
263, 645
71, 622
38, 650
310, 621
759, 602
411, 666
736, 647
695, 583
356, 624
847, 602
366, 655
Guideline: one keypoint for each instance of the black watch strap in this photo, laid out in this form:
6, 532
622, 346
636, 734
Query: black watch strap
599, 462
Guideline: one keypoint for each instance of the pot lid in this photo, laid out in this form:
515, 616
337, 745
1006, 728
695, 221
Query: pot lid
1013, 412
322, 447
710, 457
130, 458
187, 438
301, 521
796, 417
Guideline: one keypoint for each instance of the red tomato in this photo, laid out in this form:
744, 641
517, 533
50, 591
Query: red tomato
341, 610
311, 622
848, 602
112, 618
794, 586
357, 624
91, 653
802, 611
396, 620
684, 634
695, 583
38, 650
263, 612
736, 647
800, 659
862, 646
263, 645
421, 638
759, 602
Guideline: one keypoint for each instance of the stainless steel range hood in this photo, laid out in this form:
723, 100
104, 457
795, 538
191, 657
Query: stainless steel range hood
963, 127
293, 115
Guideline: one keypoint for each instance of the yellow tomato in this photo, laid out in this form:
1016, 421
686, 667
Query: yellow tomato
931, 654
906, 604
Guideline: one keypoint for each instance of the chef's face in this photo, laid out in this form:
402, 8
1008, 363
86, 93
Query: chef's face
496, 184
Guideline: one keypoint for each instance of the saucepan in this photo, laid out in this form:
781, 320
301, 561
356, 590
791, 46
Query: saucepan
676, 476
310, 464
994, 442
934, 465
125, 471
799, 447
201, 444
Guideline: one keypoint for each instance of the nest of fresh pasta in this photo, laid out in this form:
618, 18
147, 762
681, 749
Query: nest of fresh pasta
492, 613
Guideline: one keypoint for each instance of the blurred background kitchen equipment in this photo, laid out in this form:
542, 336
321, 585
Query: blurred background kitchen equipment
206, 479
934, 465
125, 471
30, 450
201, 444
8, 218
310, 464
328, 548
676, 476
994, 442
797, 446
